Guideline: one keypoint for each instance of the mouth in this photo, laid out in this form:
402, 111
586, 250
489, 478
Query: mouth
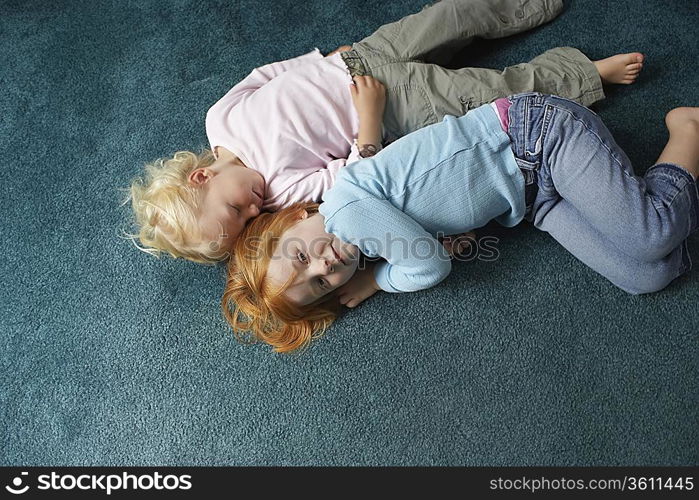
337, 255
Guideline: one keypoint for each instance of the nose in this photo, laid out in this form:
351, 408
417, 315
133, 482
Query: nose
253, 210
323, 265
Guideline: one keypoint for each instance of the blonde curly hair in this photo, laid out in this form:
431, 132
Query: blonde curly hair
165, 207
256, 309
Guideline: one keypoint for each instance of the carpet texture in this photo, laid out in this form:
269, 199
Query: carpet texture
111, 357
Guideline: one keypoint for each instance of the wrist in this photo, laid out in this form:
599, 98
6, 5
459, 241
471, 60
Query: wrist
370, 118
369, 136
372, 279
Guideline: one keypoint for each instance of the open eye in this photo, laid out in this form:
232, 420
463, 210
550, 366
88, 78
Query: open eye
302, 257
323, 284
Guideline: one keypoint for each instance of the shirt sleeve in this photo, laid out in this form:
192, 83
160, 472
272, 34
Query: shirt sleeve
259, 76
307, 187
312, 186
414, 259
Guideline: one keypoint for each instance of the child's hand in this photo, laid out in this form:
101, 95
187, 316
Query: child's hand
369, 96
360, 287
459, 243
342, 48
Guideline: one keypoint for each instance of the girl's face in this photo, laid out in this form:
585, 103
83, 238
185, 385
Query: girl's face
233, 194
320, 261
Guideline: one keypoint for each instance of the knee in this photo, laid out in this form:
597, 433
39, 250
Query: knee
684, 120
649, 251
651, 245
650, 282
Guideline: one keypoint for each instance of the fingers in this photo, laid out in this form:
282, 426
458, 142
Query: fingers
463, 243
359, 82
459, 244
367, 81
448, 245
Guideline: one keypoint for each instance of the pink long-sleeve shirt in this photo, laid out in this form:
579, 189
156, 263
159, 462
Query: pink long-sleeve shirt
294, 122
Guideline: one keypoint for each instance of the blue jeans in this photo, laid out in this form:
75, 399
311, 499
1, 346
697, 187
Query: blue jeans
581, 189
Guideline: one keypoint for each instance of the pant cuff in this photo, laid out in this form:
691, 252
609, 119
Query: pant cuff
592, 90
690, 185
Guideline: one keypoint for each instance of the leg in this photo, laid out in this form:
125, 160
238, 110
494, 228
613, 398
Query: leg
683, 147
563, 71
420, 94
438, 31
567, 226
646, 218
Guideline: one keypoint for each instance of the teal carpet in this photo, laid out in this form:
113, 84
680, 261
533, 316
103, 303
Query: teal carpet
111, 357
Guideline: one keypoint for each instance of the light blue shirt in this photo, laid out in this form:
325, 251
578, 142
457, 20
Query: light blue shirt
444, 179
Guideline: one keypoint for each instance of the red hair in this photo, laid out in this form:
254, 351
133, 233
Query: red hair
250, 303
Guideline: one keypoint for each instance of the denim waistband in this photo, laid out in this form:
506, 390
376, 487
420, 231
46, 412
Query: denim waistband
523, 143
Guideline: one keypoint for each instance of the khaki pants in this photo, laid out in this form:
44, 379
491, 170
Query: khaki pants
405, 56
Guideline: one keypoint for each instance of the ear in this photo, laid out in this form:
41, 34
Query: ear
304, 214
199, 176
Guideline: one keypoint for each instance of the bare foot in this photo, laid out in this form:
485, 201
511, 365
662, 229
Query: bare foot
621, 68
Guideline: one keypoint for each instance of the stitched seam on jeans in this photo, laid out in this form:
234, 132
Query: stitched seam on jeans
525, 129
678, 189
548, 112
689, 257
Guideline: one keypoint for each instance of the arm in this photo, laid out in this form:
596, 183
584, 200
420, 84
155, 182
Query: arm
363, 284
415, 260
369, 97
